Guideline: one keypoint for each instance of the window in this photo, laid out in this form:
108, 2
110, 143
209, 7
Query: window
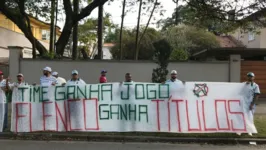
45, 35
251, 36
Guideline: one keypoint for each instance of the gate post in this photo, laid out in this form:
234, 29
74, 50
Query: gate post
235, 68
15, 53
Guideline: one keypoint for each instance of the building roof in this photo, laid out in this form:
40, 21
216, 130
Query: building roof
36, 20
4, 60
225, 52
229, 41
108, 44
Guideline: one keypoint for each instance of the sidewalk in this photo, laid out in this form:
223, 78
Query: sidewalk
121, 138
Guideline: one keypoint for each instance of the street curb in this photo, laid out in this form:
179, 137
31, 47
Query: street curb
119, 138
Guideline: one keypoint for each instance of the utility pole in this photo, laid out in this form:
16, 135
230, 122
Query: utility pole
137, 34
100, 32
75, 32
51, 46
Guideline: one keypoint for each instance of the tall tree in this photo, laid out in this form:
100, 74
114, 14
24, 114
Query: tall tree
18, 12
52, 26
75, 32
137, 31
121, 28
100, 32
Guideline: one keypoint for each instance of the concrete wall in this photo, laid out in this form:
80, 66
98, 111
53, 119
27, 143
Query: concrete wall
140, 70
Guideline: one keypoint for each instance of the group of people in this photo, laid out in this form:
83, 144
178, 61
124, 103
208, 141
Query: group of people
50, 78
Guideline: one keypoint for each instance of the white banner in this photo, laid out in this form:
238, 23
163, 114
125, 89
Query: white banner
2, 109
143, 107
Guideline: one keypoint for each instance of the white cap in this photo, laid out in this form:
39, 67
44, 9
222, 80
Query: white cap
47, 69
75, 72
173, 72
20, 74
54, 73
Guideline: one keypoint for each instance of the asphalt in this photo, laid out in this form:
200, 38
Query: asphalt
261, 107
69, 145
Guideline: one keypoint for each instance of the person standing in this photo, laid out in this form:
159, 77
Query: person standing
60, 80
251, 93
75, 80
20, 82
103, 78
47, 79
128, 78
173, 77
4, 83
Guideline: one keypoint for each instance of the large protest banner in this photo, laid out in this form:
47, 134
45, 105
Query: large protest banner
2, 109
144, 107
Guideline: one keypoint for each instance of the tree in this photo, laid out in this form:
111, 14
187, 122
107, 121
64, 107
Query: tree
237, 12
188, 39
162, 54
121, 28
18, 12
189, 16
146, 46
87, 35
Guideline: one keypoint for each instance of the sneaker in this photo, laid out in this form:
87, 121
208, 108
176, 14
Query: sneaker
250, 134
238, 134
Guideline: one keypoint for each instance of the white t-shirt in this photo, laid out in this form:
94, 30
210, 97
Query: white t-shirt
60, 80
47, 81
77, 82
16, 84
2, 92
250, 90
175, 81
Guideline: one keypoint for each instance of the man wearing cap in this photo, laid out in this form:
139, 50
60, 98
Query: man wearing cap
75, 80
251, 93
60, 80
103, 78
4, 84
47, 79
173, 77
20, 82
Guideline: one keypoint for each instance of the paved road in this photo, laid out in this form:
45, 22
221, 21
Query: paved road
42, 145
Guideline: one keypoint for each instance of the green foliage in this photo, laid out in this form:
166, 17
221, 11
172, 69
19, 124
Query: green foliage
162, 54
189, 39
87, 32
128, 43
188, 15
179, 54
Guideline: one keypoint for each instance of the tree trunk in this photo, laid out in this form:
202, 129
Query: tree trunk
51, 46
56, 15
176, 13
100, 33
137, 32
148, 23
75, 32
121, 30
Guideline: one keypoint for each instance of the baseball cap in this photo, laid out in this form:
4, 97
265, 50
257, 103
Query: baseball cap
103, 71
251, 74
173, 72
54, 73
75, 72
20, 74
47, 69
1, 73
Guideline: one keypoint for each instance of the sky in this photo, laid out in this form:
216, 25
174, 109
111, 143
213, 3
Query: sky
115, 9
